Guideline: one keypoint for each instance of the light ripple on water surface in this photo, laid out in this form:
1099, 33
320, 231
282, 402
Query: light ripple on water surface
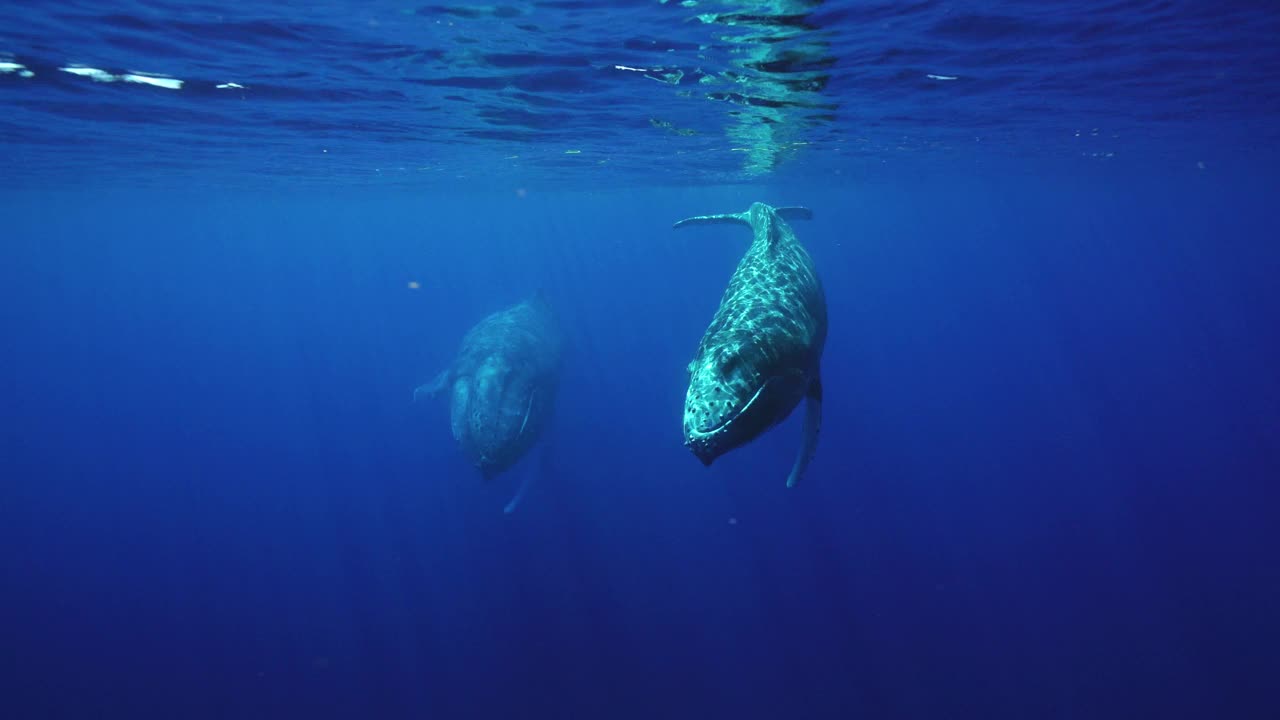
567, 91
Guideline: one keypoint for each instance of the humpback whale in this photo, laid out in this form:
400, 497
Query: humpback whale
760, 356
502, 386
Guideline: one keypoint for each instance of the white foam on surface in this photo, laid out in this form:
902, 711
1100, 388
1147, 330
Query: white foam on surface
132, 77
161, 82
93, 73
13, 67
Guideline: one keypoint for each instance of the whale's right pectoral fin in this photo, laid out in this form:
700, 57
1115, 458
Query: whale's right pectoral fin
433, 388
812, 424
725, 219
514, 503
544, 467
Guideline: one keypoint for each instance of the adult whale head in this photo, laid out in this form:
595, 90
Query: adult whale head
760, 356
502, 385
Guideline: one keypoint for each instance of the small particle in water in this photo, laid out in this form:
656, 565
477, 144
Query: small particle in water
931, 76
1200, 164
414, 285
521, 192
733, 521
572, 152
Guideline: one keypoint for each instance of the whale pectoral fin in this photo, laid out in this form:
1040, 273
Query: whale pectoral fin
529, 472
725, 219
812, 424
524, 487
433, 388
794, 213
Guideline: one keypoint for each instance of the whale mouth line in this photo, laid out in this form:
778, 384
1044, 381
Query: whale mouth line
737, 413
698, 433
527, 410
493, 456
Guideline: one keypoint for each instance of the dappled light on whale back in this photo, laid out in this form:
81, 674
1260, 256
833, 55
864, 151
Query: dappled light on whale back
761, 355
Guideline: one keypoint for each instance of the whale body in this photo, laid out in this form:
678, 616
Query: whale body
502, 385
761, 354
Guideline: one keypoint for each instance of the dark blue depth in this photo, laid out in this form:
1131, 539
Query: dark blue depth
1045, 486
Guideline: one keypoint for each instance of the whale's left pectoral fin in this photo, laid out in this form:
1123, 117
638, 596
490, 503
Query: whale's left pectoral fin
433, 388
812, 424
794, 212
723, 218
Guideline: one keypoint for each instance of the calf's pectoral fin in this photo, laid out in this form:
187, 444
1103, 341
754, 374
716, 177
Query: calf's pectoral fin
433, 388
812, 424
528, 472
520, 492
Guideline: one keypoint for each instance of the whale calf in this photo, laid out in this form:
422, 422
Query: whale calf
761, 354
502, 386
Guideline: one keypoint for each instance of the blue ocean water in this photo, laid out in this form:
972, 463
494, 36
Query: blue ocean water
235, 238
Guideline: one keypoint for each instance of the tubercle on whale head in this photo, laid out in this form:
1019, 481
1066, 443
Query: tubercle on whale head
770, 404
721, 385
720, 389
703, 450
